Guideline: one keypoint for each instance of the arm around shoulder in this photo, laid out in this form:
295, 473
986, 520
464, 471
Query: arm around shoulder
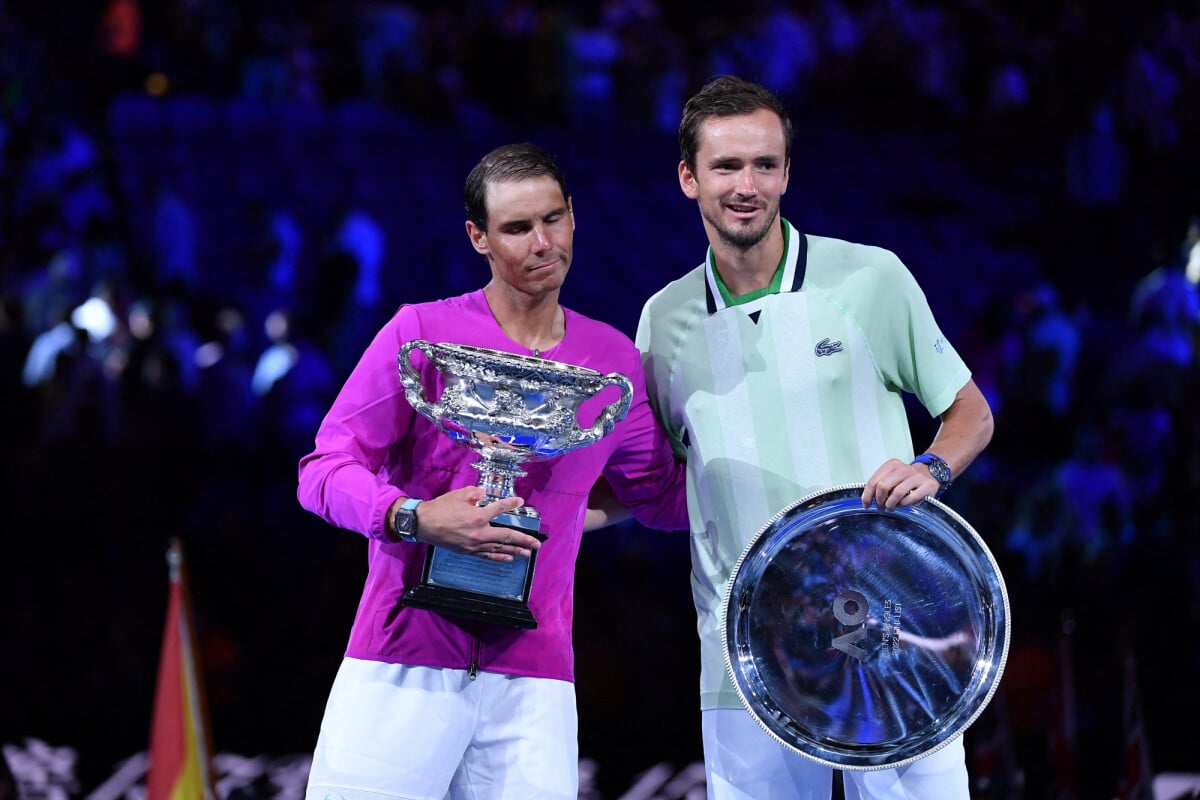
603, 507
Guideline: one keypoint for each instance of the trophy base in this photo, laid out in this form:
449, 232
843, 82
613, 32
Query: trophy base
471, 605
477, 588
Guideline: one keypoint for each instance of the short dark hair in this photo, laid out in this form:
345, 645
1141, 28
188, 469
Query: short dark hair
511, 162
727, 96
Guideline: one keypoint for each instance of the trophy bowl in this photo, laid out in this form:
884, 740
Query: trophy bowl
861, 638
509, 409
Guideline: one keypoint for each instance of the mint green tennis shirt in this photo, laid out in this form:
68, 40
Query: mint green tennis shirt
785, 392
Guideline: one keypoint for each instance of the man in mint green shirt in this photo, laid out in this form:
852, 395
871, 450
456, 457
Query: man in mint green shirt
778, 368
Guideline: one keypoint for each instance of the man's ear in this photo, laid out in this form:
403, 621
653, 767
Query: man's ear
478, 238
687, 181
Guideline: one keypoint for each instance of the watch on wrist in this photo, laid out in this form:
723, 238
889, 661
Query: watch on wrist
938, 468
404, 523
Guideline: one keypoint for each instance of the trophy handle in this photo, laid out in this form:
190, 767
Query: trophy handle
616, 410
414, 390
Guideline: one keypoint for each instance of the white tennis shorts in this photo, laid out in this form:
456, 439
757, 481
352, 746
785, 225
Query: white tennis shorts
419, 733
743, 762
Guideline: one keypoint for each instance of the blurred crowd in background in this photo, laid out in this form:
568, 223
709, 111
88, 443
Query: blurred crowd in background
207, 207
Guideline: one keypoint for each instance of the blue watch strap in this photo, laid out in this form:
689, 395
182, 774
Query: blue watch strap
408, 507
938, 468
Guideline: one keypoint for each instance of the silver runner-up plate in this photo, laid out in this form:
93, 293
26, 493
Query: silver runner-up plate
865, 639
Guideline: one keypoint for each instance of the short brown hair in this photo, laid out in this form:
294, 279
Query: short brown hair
727, 96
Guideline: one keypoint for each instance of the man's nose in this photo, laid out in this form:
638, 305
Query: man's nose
745, 183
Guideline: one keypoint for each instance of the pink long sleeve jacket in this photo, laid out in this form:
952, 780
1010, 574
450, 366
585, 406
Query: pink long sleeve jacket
373, 447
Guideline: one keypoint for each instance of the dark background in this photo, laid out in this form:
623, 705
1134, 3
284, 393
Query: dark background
1034, 164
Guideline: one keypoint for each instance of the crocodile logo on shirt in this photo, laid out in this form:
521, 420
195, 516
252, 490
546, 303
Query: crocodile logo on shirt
827, 348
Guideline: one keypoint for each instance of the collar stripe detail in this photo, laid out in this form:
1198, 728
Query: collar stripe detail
789, 275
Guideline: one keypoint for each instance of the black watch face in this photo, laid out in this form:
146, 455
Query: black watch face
405, 521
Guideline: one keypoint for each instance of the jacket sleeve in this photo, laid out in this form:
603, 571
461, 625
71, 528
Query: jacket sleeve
342, 479
643, 471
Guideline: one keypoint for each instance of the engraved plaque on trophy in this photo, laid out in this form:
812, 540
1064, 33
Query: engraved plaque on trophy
509, 409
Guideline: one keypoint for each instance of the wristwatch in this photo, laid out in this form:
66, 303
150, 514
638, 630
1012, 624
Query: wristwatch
404, 524
938, 468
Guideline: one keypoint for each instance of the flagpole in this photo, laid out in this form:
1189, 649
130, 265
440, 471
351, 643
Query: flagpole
180, 739
199, 699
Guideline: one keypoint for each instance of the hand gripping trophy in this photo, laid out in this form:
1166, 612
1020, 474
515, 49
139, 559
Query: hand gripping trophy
510, 409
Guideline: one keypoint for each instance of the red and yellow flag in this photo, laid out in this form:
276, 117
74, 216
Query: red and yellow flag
180, 754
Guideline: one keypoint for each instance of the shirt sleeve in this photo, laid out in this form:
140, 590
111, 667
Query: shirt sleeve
910, 350
652, 344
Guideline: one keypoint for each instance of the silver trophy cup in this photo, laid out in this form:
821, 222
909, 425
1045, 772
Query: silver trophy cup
865, 639
510, 409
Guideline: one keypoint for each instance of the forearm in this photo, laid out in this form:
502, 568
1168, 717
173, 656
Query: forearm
966, 429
